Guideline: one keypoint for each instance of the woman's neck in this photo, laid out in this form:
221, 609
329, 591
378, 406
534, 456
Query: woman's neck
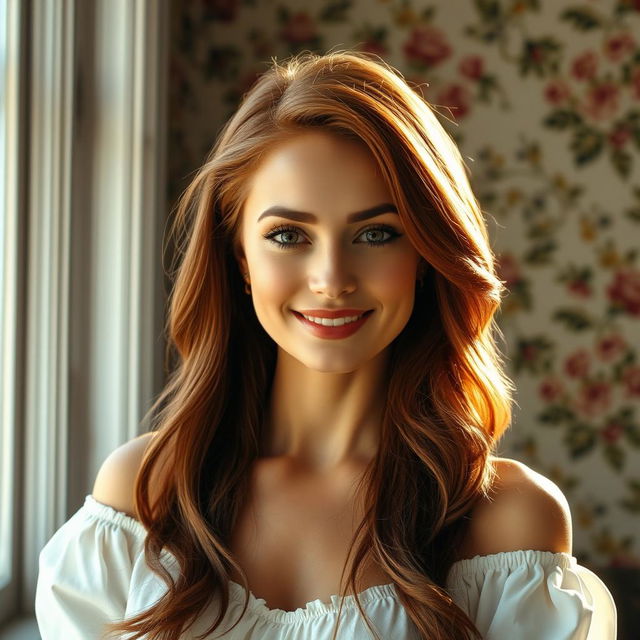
323, 420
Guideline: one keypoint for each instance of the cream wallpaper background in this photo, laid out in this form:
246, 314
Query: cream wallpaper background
543, 98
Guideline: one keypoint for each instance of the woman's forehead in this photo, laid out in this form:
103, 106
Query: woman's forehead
316, 173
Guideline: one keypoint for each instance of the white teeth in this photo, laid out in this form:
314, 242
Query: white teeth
336, 322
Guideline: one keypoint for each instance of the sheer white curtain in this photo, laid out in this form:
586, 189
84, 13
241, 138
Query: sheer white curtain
82, 197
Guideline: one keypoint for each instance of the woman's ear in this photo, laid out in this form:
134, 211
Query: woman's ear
238, 253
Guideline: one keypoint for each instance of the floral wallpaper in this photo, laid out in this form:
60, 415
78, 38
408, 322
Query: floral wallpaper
543, 98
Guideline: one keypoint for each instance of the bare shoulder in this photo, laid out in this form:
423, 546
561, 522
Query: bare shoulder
526, 510
115, 482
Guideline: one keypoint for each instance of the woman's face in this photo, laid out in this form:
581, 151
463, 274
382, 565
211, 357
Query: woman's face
322, 259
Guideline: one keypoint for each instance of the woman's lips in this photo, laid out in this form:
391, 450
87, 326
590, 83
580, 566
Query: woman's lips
322, 331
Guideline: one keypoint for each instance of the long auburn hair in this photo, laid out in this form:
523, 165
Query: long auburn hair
448, 398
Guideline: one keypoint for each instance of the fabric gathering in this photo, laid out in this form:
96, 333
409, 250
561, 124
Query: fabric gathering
93, 571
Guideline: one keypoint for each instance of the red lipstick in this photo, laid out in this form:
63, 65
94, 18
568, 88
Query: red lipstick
323, 331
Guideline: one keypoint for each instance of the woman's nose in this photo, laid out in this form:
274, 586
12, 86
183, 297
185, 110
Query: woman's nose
332, 275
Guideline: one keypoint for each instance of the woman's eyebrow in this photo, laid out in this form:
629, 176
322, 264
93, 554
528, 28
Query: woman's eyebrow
304, 216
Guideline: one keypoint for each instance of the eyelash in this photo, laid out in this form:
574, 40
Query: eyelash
288, 245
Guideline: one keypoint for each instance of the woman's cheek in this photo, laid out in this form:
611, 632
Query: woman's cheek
395, 276
274, 278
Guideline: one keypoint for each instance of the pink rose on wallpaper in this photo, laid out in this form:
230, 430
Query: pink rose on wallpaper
471, 67
619, 46
457, 98
551, 389
610, 347
594, 398
577, 364
631, 379
612, 432
300, 27
619, 137
624, 291
557, 92
427, 45
602, 101
508, 269
585, 66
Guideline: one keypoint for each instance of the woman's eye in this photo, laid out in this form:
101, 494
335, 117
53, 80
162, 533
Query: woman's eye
374, 236
288, 235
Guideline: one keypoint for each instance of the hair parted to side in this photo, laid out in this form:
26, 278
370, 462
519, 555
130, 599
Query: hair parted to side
448, 397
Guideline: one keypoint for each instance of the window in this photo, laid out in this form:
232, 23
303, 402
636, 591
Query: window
82, 210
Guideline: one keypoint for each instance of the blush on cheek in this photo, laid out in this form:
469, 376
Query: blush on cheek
274, 282
395, 277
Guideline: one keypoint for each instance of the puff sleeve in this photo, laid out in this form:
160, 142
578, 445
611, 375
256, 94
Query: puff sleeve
531, 594
85, 573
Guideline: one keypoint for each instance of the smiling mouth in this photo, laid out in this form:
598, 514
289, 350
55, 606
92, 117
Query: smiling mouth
334, 328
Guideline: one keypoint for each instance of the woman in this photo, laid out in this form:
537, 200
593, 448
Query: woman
330, 426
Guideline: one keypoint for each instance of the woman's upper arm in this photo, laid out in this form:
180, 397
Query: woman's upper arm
526, 511
87, 567
115, 482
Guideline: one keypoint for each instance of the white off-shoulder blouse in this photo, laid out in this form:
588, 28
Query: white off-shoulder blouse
93, 571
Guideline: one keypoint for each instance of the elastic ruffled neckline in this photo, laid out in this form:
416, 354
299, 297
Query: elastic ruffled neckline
509, 560
237, 592
504, 560
111, 515
311, 609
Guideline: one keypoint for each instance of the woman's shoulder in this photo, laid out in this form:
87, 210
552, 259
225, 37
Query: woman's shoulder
524, 510
115, 482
